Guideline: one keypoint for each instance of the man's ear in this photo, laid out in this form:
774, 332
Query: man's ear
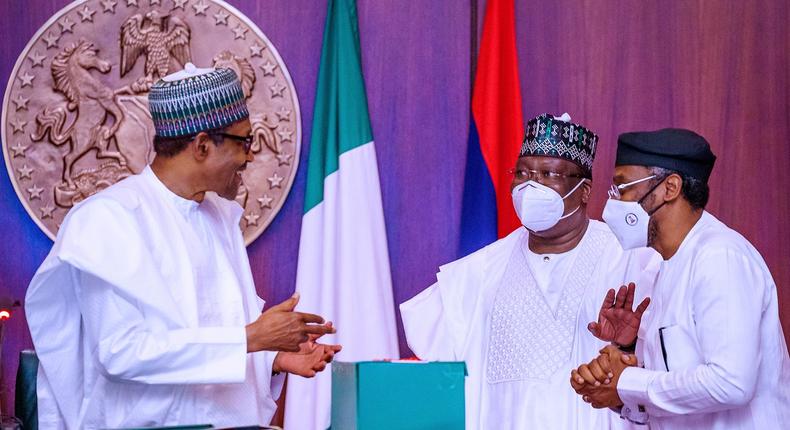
674, 187
586, 190
200, 146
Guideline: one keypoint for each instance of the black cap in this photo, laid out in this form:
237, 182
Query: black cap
671, 148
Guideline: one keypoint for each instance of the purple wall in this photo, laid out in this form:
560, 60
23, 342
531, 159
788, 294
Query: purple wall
719, 67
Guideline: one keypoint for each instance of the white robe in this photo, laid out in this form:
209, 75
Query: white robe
138, 315
714, 316
521, 335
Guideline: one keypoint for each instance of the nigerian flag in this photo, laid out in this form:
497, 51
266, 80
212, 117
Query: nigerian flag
343, 271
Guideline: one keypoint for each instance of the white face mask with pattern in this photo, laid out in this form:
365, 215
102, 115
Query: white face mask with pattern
539, 207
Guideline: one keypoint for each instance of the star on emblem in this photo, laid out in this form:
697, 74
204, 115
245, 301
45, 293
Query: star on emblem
46, 211
283, 159
285, 135
18, 125
256, 49
179, 4
274, 181
21, 102
35, 192
265, 202
239, 32
221, 18
25, 172
27, 79
67, 26
109, 5
283, 114
252, 218
37, 59
19, 150
86, 14
277, 89
268, 68
200, 8
130, 3
51, 40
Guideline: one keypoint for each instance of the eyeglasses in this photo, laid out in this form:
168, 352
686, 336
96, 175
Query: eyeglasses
614, 190
538, 175
246, 141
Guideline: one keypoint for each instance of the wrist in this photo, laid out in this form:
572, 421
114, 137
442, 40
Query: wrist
251, 346
276, 368
255, 340
630, 348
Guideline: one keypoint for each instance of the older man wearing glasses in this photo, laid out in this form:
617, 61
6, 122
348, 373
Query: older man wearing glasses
145, 313
517, 311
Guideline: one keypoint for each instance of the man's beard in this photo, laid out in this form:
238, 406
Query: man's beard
652, 232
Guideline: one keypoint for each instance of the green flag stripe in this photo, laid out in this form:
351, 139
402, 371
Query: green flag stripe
340, 119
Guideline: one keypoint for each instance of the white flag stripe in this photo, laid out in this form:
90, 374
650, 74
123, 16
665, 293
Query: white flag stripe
344, 275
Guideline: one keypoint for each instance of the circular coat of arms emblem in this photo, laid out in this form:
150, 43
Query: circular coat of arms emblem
631, 219
75, 112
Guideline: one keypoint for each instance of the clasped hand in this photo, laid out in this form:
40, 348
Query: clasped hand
618, 323
596, 381
294, 335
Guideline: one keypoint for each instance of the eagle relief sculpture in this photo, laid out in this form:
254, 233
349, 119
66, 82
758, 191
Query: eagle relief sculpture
161, 38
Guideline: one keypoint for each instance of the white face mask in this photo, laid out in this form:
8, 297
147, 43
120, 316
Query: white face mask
628, 220
539, 207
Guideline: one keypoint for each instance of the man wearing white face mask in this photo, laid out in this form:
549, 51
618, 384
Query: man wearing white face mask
711, 348
516, 311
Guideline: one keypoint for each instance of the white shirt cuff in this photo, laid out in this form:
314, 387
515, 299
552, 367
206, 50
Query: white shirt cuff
632, 388
277, 381
633, 384
277, 385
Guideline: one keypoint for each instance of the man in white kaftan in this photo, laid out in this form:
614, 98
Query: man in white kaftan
710, 348
518, 317
145, 313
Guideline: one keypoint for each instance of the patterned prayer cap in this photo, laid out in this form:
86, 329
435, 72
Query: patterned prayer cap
194, 100
550, 136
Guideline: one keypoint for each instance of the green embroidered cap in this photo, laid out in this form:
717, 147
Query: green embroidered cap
550, 136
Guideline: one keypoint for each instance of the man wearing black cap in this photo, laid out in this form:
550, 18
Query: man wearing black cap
711, 343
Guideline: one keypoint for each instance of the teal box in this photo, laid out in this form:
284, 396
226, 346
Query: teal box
401, 395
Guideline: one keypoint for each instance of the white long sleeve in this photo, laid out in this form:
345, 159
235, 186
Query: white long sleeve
425, 326
711, 343
727, 303
128, 350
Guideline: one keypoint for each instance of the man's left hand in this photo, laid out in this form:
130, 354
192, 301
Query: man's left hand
596, 381
311, 358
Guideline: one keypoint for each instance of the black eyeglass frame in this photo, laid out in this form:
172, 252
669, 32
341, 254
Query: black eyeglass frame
246, 141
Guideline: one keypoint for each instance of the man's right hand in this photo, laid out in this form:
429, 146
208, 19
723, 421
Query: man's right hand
617, 321
282, 329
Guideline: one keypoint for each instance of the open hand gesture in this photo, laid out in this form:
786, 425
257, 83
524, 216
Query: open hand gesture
617, 322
